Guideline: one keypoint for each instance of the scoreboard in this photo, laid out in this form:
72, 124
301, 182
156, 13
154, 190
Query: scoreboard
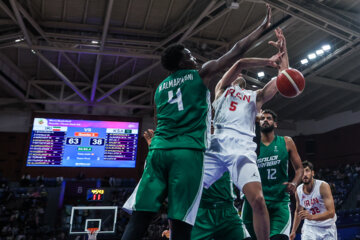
83, 143
95, 195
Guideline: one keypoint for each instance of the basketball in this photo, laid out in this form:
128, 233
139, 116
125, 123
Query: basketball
290, 83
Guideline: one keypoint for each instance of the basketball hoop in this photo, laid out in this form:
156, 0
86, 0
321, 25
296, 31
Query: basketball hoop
92, 233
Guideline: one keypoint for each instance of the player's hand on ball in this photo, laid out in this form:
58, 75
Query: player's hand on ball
148, 135
166, 234
290, 187
304, 214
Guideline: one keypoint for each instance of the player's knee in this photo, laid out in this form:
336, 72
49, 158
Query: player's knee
258, 203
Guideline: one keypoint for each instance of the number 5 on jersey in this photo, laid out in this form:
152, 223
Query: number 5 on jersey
177, 100
233, 106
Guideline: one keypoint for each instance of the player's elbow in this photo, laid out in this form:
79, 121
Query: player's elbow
331, 213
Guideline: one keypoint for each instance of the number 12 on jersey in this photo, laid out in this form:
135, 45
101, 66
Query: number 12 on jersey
271, 173
177, 100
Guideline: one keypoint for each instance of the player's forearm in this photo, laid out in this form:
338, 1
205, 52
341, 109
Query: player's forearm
284, 63
244, 44
241, 64
268, 91
298, 175
296, 222
323, 216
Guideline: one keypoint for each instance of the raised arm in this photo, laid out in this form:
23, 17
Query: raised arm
214, 66
296, 163
241, 64
325, 193
297, 219
270, 89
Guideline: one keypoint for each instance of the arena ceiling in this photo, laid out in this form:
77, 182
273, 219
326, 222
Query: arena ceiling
102, 56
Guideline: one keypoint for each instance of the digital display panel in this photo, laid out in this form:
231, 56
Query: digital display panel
83, 143
94, 195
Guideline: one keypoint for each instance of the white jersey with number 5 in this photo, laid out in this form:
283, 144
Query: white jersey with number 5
314, 204
235, 110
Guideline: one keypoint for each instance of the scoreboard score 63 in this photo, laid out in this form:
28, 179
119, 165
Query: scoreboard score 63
94, 195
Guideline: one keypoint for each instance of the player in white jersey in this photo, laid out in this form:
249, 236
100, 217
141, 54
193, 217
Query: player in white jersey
232, 148
314, 205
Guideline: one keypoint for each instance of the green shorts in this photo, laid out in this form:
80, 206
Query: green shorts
173, 173
218, 222
280, 218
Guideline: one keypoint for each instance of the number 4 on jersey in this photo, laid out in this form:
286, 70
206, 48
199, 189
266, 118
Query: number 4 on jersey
177, 100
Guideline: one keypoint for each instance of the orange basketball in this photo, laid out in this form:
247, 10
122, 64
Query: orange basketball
290, 83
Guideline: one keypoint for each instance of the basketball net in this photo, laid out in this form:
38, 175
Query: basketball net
92, 233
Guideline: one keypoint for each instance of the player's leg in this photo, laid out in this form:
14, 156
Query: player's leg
213, 167
280, 220
185, 188
261, 223
247, 218
309, 233
204, 225
331, 233
229, 225
180, 230
147, 196
138, 224
246, 177
279, 237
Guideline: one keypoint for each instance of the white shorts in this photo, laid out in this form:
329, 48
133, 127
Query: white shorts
311, 232
234, 154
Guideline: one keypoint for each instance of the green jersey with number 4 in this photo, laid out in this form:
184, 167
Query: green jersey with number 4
273, 167
182, 110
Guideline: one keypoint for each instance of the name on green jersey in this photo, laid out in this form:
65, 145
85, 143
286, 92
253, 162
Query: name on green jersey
176, 82
268, 161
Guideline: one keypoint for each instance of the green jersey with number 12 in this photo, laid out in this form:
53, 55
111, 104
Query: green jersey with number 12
182, 110
273, 167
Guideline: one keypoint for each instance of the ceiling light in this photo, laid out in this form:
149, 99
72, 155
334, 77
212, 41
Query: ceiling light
234, 5
94, 42
312, 56
304, 61
261, 74
319, 52
19, 40
254, 86
326, 47
33, 51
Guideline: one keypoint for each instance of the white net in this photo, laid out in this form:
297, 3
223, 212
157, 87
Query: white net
92, 233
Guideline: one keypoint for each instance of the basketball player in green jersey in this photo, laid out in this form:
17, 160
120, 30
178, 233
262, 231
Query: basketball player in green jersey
174, 165
275, 154
217, 217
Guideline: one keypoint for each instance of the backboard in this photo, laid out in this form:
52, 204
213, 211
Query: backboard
102, 217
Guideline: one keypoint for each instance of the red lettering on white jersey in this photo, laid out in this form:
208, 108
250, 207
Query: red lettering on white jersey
232, 93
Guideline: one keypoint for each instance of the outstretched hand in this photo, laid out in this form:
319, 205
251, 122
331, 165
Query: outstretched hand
275, 60
280, 44
148, 135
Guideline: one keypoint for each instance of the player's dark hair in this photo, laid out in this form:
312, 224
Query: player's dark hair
308, 164
172, 56
272, 113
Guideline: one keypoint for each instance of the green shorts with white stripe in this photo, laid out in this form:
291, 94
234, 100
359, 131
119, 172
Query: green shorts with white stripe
280, 218
218, 222
173, 173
